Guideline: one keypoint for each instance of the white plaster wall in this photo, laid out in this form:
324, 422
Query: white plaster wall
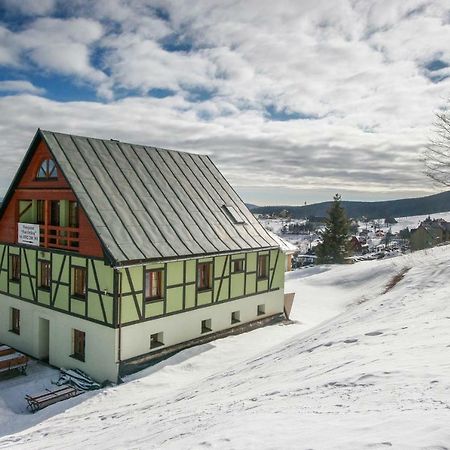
102, 342
100, 358
182, 327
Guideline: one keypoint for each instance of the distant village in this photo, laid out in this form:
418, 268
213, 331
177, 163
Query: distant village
369, 238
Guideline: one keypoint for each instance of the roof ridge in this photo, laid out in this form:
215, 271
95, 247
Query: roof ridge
121, 142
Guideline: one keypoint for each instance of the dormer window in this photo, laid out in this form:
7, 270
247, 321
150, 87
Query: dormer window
47, 170
233, 214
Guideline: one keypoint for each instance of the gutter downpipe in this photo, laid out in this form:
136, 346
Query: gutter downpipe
119, 312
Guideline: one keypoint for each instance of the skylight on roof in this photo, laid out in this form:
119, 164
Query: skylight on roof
234, 215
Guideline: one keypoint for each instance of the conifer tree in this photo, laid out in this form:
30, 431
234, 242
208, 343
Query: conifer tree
334, 247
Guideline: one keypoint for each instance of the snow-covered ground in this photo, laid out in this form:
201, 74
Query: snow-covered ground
303, 242
14, 415
275, 225
414, 221
360, 368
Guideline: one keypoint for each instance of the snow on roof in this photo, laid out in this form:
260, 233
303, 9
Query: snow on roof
285, 246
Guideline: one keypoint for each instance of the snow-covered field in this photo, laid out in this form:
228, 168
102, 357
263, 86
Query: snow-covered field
306, 241
414, 221
360, 368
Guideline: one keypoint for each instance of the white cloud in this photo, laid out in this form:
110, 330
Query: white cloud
9, 49
142, 64
56, 46
30, 7
358, 69
250, 150
20, 86
136, 16
62, 46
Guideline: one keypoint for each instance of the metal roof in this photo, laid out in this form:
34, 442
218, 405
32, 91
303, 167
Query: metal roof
148, 203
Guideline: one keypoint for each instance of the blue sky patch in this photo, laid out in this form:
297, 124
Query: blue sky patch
272, 113
199, 94
436, 64
161, 93
161, 13
176, 43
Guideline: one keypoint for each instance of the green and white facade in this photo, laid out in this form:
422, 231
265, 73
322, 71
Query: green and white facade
151, 211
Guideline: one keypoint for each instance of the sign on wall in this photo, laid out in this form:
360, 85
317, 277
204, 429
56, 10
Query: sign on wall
28, 233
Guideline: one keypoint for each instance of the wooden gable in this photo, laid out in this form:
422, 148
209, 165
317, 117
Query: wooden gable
28, 187
29, 178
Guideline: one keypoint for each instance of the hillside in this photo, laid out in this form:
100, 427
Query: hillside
360, 368
372, 210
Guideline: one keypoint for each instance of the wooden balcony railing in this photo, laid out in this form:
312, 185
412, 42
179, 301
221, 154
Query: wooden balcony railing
65, 238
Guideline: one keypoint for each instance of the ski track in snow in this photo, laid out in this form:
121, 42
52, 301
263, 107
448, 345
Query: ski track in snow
357, 369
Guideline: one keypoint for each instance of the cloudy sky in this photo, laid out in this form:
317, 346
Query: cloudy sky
293, 100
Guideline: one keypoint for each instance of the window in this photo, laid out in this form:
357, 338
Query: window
204, 276
153, 285
79, 344
15, 321
233, 214
206, 326
262, 266
156, 340
235, 317
73, 215
14, 267
238, 265
40, 212
47, 170
79, 282
45, 274
261, 310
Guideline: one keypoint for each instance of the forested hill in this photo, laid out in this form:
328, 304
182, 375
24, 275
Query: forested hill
373, 210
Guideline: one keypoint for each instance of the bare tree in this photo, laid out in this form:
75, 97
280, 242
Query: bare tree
437, 153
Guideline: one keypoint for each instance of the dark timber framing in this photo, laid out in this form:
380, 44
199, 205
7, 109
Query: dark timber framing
55, 283
149, 207
219, 280
224, 268
139, 310
102, 305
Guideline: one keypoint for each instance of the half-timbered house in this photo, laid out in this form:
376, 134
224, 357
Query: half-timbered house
114, 254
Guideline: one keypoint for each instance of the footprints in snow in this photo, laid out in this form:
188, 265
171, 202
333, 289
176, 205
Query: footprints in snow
370, 333
374, 333
346, 341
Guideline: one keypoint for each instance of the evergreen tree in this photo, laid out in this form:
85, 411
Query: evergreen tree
334, 247
388, 237
405, 233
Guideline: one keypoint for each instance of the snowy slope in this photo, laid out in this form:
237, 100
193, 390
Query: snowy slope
362, 369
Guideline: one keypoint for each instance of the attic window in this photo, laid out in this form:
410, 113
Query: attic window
233, 214
47, 170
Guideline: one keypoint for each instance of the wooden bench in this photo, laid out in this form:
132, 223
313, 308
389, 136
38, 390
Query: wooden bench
5, 350
39, 401
13, 361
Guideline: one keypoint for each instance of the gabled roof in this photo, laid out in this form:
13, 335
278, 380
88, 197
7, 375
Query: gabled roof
148, 203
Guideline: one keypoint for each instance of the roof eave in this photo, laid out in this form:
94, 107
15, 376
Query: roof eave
140, 262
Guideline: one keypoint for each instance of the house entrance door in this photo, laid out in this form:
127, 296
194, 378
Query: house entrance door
44, 339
